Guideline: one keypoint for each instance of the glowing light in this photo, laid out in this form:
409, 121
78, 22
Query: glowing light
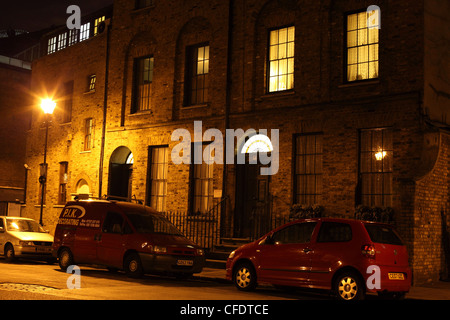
48, 105
257, 143
380, 155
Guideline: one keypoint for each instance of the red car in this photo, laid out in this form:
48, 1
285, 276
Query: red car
349, 257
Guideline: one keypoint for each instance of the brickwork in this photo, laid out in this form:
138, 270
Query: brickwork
321, 102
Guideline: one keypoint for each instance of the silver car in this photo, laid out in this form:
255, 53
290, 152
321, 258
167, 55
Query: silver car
24, 237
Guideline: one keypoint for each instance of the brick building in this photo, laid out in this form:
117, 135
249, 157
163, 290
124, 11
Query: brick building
360, 101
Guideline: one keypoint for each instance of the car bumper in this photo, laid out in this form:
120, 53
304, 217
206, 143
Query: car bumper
33, 251
156, 263
393, 285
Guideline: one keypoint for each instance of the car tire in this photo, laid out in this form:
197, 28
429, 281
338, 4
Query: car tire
244, 277
348, 287
65, 259
9, 253
133, 266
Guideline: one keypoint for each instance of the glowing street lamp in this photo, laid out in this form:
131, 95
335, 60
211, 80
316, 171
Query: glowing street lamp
48, 106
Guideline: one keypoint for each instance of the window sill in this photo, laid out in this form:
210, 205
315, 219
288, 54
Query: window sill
85, 151
89, 92
195, 106
359, 83
140, 113
142, 10
278, 94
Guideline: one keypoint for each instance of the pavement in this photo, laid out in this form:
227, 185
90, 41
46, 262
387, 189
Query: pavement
436, 291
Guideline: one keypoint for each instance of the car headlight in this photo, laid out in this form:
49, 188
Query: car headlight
26, 243
231, 256
200, 252
159, 249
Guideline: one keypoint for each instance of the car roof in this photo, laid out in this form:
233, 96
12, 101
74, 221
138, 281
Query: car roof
124, 205
343, 220
20, 218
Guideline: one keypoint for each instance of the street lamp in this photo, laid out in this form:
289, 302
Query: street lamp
48, 106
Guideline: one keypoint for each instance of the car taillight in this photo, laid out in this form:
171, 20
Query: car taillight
368, 250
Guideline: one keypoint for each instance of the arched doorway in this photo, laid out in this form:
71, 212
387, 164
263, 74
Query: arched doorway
120, 169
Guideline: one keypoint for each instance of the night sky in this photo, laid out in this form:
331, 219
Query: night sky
34, 15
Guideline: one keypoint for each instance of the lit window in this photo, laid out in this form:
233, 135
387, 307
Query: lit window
73, 36
62, 41
51, 45
376, 167
198, 71
158, 166
143, 84
97, 23
362, 47
281, 59
92, 80
84, 31
202, 181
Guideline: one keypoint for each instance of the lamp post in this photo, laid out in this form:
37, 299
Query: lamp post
48, 106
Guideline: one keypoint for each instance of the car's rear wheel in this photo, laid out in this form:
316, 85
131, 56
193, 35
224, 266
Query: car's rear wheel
348, 287
244, 277
65, 259
133, 266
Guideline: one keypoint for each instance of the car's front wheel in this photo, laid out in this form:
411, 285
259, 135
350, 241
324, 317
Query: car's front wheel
348, 287
133, 266
65, 259
244, 277
9, 253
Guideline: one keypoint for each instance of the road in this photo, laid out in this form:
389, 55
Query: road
40, 281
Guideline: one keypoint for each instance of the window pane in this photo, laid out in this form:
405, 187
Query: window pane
281, 59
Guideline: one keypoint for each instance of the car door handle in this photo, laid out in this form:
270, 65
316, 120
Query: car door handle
98, 237
306, 250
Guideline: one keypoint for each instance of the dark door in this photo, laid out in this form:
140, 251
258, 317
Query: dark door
119, 179
111, 242
252, 208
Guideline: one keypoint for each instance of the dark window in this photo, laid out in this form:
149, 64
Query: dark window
383, 234
376, 166
143, 78
88, 134
63, 178
308, 168
334, 232
113, 223
143, 3
197, 83
297, 233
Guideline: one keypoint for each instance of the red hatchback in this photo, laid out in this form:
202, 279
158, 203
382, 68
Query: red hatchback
349, 257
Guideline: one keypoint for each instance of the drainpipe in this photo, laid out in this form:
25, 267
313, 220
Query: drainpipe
223, 209
105, 107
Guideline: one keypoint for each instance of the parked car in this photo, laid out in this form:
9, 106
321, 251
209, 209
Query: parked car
341, 255
24, 237
123, 235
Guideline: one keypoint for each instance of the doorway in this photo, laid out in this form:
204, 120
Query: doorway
252, 214
120, 170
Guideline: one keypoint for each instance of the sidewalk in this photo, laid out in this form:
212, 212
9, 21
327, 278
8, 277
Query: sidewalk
437, 291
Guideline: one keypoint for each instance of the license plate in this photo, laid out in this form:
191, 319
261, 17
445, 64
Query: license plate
396, 276
185, 262
44, 250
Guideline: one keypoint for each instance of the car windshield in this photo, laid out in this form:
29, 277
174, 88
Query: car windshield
21, 225
383, 234
151, 223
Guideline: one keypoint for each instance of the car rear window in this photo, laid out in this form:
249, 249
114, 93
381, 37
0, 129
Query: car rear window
383, 234
335, 232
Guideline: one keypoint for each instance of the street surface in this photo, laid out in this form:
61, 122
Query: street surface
34, 280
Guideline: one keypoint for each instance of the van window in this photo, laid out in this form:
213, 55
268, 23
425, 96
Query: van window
334, 232
383, 234
296, 233
149, 223
113, 223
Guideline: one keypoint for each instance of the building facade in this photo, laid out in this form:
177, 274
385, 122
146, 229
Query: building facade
358, 96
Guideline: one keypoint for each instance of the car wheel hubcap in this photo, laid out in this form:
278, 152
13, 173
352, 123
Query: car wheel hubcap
133, 266
348, 288
64, 258
243, 277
